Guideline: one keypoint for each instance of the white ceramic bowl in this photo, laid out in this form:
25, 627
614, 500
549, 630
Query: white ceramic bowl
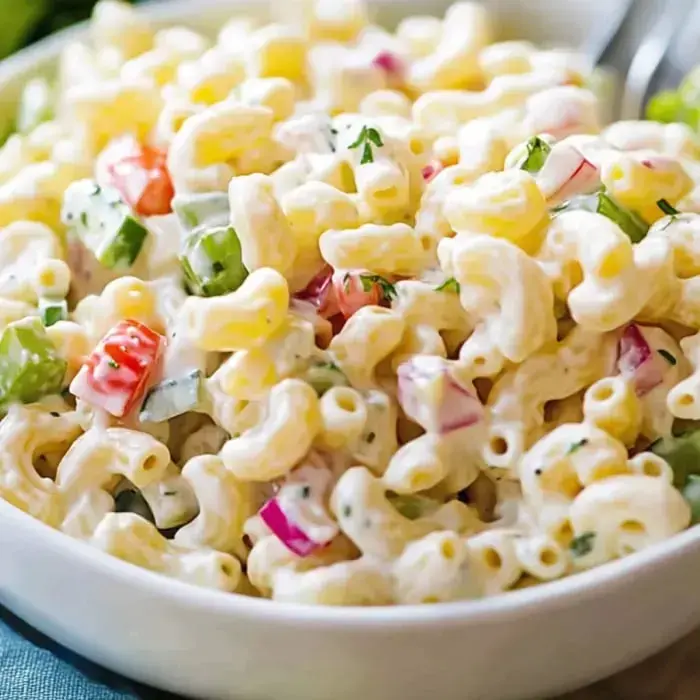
524, 644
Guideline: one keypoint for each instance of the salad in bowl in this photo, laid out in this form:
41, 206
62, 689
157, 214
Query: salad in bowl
330, 314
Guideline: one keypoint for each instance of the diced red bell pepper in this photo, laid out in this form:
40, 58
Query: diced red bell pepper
116, 374
140, 173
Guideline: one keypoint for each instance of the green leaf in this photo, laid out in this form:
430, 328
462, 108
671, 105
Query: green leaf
374, 136
668, 357
367, 155
667, 208
537, 153
449, 285
361, 138
582, 545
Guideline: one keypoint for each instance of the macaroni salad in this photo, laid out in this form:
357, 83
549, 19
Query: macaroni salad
327, 314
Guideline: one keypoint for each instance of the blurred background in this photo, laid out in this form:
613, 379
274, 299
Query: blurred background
25, 21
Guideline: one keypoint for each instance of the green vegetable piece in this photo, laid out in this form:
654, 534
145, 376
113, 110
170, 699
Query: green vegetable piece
52, 311
325, 376
129, 501
209, 209
173, 397
682, 453
691, 493
36, 105
212, 262
449, 285
582, 545
602, 203
104, 222
576, 446
665, 107
30, 367
537, 153
668, 357
413, 506
667, 208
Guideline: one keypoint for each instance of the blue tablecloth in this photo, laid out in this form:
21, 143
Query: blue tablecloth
32, 667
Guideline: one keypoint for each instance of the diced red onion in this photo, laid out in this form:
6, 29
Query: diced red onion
637, 361
319, 292
457, 406
390, 63
431, 171
291, 536
566, 174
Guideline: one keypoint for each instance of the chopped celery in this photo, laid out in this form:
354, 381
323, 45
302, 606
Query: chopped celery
602, 203
210, 209
52, 311
691, 493
325, 376
104, 222
682, 453
30, 367
173, 397
537, 153
128, 501
413, 506
212, 262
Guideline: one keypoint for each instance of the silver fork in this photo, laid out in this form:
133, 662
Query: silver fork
650, 45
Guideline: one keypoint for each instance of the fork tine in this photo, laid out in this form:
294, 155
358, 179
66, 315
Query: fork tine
601, 44
649, 57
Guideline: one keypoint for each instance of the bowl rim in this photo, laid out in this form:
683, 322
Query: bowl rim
503, 608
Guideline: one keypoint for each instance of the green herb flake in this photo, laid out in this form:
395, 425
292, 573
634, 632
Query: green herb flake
347, 511
668, 357
113, 364
582, 545
366, 138
667, 208
577, 446
371, 437
387, 289
306, 491
449, 285
84, 218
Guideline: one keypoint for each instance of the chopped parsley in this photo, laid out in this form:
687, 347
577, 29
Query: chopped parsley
169, 493
667, 208
84, 218
55, 414
306, 491
385, 287
582, 545
347, 511
577, 446
668, 357
113, 364
366, 138
449, 285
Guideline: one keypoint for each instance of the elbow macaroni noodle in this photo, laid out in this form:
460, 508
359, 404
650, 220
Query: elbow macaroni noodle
425, 326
